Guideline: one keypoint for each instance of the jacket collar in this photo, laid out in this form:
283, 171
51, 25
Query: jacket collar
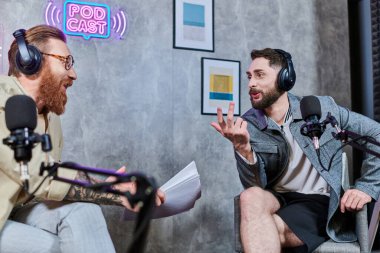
260, 120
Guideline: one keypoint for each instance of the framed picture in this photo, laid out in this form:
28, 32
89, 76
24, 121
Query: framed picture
193, 27
220, 85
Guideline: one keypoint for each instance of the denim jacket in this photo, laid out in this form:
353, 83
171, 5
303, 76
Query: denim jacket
272, 151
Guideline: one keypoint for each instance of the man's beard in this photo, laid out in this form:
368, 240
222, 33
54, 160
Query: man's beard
51, 94
268, 98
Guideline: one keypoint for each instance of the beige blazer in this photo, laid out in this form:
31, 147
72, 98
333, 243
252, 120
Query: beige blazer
11, 192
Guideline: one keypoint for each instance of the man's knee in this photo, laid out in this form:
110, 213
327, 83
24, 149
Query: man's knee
257, 200
85, 230
88, 211
84, 206
84, 218
251, 196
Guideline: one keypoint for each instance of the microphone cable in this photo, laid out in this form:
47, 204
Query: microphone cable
31, 195
319, 159
348, 143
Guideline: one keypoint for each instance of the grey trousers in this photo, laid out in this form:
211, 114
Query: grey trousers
56, 227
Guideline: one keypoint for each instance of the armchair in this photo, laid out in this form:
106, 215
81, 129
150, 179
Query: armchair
361, 246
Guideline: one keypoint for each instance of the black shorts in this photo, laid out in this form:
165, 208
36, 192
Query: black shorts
306, 216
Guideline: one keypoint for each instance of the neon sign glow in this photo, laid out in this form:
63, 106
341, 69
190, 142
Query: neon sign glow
86, 19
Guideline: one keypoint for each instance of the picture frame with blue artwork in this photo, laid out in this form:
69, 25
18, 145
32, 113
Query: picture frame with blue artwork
193, 25
220, 85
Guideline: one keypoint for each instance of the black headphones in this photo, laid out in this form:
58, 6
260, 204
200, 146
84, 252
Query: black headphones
287, 76
28, 57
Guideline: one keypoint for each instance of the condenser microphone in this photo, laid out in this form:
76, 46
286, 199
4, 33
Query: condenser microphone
311, 114
21, 120
20, 112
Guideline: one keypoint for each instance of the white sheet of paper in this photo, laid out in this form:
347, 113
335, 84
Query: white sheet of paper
181, 192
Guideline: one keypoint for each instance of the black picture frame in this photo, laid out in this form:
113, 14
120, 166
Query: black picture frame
220, 85
193, 25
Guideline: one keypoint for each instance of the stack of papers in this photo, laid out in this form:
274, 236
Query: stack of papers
181, 192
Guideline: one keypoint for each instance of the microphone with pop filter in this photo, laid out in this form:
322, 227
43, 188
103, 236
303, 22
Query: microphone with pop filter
20, 112
311, 114
21, 120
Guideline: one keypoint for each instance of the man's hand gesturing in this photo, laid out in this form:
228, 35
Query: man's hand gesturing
236, 131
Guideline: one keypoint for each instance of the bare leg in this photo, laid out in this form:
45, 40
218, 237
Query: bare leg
261, 229
287, 237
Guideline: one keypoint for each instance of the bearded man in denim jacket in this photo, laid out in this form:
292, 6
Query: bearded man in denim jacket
291, 200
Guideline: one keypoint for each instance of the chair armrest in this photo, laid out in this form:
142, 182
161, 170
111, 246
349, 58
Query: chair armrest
374, 223
362, 229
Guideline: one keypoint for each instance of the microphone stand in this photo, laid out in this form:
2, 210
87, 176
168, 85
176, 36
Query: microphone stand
346, 136
22, 141
144, 196
349, 138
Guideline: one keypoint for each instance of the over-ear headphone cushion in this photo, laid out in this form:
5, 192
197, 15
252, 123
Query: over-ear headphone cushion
35, 63
287, 75
285, 82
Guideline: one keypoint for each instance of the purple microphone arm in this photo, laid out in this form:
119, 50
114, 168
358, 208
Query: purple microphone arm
144, 185
144, 196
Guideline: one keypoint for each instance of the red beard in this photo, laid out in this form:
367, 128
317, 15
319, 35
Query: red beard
50, 93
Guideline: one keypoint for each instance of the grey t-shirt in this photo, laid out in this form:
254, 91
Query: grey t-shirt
300, 176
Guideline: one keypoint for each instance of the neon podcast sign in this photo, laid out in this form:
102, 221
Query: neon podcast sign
86, 19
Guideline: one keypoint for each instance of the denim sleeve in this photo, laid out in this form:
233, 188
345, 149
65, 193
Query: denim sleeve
369, 182
248, 174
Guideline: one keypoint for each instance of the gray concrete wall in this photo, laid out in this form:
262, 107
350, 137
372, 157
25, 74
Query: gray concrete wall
137, 101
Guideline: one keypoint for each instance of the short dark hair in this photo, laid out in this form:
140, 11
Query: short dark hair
37, 36
274, 57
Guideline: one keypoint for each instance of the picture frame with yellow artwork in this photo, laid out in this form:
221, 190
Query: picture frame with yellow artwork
220, 85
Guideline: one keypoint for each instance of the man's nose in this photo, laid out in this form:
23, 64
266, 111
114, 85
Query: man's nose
72, 73
252, 83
